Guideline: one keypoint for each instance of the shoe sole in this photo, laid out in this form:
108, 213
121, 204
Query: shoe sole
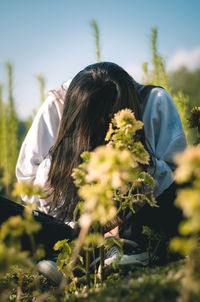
140, 259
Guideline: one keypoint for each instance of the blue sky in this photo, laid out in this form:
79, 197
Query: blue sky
54, 38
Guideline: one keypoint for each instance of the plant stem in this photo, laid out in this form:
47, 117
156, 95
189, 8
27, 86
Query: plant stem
79, 243
97, 44
95, 268
88, 267
41, 81
102, 263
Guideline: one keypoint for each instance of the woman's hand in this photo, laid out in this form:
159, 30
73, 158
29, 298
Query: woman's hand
114, 232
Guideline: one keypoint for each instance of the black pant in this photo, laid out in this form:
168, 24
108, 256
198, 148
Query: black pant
52, 230
163, 219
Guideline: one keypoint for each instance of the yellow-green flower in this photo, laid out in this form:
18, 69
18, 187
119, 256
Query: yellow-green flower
126, 117
111, 166
188, 164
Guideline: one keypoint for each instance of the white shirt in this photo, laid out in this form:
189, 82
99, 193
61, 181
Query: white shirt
163, 132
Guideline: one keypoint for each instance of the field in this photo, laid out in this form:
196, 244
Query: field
177, 278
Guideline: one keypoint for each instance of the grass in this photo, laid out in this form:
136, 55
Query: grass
125, 284
137, 284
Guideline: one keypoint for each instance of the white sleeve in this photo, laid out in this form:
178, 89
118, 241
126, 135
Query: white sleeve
41, 179
164, 136
38, 141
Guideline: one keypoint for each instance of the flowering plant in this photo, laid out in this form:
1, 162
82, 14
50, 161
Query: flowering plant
188, 199
114, 173
112, 178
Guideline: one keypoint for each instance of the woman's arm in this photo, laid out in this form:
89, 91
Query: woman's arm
40, 139
164, 136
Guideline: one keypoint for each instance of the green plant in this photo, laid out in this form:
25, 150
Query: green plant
156, 74
12, 255
194, 122
112, 176
1, 118
188, 199
41, 80
8, 135
95, 28
12, 125
16, 235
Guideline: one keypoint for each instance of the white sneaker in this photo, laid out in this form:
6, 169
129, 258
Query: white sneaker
140, 258
134, 255
111, 255
49, 269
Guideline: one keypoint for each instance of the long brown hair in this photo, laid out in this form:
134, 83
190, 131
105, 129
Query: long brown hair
94, 95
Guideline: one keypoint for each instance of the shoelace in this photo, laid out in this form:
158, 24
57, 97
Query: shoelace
113, 251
